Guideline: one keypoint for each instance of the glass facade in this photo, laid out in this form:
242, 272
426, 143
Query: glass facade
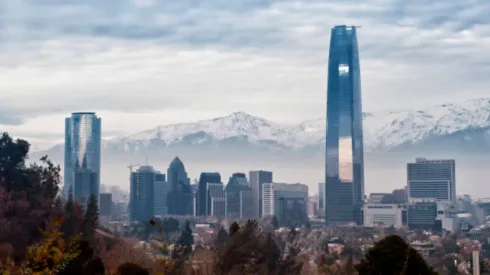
180, 196
344, 165
432, 179
82, 155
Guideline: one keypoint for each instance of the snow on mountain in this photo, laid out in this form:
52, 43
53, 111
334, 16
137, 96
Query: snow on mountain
381, 130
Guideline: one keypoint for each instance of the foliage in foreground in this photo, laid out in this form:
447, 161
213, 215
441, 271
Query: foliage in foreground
392, 255
51, 256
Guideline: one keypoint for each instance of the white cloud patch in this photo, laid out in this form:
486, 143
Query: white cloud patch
172, 61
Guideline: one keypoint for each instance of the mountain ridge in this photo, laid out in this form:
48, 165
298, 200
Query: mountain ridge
383, 131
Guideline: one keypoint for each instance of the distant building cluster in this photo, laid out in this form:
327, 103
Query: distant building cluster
428, 202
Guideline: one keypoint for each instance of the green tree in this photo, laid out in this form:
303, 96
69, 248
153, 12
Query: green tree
69, 218
275, 222
90, 219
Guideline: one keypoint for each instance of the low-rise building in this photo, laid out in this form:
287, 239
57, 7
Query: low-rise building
383, 215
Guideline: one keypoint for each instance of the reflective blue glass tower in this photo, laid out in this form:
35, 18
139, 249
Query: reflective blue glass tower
82, 155
344, 159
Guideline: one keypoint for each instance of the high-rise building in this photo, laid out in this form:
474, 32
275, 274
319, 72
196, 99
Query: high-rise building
344, 175
288, 202
202, 188
82, 155
321, 198
142, 194
180, 196
257, 178
105, 204
433, 180
160, 191
238, 198
216, 200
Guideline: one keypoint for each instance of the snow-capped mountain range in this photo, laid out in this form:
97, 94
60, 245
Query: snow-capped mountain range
461, 125
381, 130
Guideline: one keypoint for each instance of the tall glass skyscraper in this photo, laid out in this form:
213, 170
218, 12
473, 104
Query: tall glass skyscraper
344, 165
82, 155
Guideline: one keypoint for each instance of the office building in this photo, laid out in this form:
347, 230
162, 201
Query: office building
344, 175
82, 155
141, 196
422, 215
431, 180
202, 202
384, 215
288, 202
257, 178
377, 198
105, 204
160, 189
321, 199
216, 200
239, 199
246, 200
180, 195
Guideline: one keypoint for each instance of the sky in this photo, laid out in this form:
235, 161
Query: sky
140, 64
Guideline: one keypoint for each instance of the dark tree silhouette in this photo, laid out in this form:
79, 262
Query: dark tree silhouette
186, 238
234, 228
86, 263
69, 227
392, 255
90, 219
275, 222
221, 237
131, 269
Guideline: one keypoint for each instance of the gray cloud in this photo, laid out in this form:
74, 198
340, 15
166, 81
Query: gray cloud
103, 54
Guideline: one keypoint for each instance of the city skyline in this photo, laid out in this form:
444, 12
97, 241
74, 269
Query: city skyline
405, 48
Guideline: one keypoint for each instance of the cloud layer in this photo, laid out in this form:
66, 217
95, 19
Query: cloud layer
171, 61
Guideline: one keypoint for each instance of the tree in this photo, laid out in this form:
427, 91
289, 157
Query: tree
27, 195
186, 238
50, 256
221, 237
90, 219
69, 218
450, 245
131, 269
292, 234
392, 255
234, 228
308, 225
275, 222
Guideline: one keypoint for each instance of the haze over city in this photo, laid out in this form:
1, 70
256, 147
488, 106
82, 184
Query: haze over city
142, 64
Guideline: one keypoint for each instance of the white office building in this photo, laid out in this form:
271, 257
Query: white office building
288, 202
431, 180
384, 215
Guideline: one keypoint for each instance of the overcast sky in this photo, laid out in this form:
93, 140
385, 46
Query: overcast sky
145, 63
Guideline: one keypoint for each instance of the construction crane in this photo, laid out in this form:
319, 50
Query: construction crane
130, 167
